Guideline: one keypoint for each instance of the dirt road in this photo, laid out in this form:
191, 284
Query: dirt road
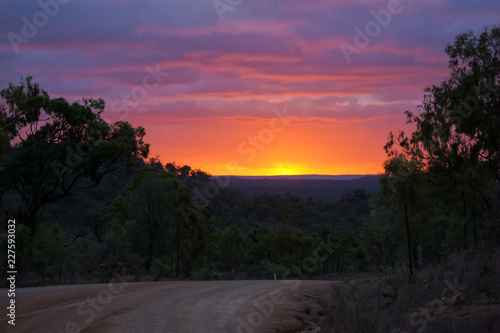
202, 306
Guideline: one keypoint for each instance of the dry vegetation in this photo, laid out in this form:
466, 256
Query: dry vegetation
460, 294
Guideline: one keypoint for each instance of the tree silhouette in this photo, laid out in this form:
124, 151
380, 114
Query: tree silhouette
456, 137
59, 147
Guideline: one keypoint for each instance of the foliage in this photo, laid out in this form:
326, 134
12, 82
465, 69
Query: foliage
439, 194
53, 256
447, 171
59, 147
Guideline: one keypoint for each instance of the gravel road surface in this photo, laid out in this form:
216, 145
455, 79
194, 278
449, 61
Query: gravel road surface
201, 306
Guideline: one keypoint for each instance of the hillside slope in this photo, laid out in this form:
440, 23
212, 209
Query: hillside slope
327, 189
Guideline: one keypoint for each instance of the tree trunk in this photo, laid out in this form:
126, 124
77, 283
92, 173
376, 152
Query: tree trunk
171, 251
177, 250
474, 219
210, 252
2, 191
408, 234
465, 220
177, 260
150, 250
416, 262
31, 218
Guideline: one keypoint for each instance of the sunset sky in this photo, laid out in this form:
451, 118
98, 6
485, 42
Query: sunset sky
274, 87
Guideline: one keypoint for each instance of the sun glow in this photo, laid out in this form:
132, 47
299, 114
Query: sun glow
285, 170
275, 169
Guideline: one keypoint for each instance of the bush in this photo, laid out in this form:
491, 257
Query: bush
430, 304
161, 267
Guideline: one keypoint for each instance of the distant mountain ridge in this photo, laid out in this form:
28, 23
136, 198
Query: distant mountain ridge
321, 187
307, 177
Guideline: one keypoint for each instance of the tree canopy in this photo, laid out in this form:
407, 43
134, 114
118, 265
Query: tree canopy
439, 193
57, 147
453, 156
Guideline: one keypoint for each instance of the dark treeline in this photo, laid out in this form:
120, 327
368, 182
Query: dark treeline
89, 204
143, 222
323, 189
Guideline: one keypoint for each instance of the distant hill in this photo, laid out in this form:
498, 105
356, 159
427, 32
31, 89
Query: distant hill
326, 188
307, 177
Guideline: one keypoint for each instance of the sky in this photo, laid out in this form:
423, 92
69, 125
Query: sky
247, 87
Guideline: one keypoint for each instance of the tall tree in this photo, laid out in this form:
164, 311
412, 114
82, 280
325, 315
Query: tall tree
400, 184
59, 147
191, 233
459, 121
456, 136
151, 201
229, 247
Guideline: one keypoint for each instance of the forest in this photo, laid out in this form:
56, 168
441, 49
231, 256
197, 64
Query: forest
89, 202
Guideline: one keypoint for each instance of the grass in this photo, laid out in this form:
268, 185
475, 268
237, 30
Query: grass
376, 304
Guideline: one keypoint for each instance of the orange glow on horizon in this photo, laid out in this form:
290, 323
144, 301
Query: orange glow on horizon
247, 147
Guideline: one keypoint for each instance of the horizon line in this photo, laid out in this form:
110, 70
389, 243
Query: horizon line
304, 175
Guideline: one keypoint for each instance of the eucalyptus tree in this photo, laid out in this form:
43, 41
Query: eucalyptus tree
401, 185
58, 147
456, 131
150, 201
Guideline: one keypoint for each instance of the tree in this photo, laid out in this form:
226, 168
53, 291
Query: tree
230, 247
155, 164
53, 256
400, 185
191, 233
151, 201
212, 223
459, 118
456, 137
5, 147
192, 178
59, 147
382, 236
